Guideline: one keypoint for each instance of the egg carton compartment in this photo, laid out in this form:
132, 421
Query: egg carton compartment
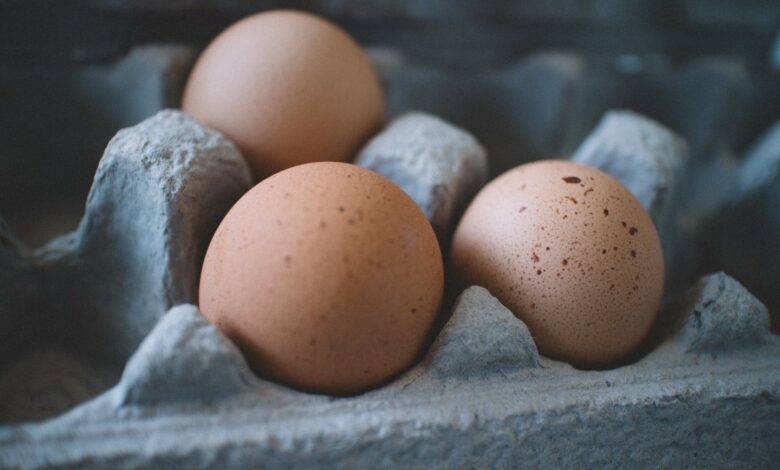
703, 391
57, 118
692, 139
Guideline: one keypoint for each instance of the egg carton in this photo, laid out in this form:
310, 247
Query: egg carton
114, 296
702, 394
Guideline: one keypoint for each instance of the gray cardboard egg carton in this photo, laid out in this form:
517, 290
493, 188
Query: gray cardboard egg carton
101, 368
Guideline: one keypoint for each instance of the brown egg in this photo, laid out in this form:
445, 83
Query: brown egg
327, 276
571, 252
288, 88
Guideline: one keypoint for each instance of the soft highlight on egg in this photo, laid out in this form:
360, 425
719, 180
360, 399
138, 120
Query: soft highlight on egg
571, 252
327, 276
288, 88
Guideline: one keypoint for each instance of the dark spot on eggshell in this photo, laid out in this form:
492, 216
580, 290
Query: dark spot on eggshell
579, 282
520, 211
633, 254
632, 231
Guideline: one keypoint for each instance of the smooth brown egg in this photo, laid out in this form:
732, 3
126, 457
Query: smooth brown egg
571, 252
288, 88
327, 276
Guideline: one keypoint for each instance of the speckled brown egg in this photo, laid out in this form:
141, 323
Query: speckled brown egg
327, 276
571, 252
288, 88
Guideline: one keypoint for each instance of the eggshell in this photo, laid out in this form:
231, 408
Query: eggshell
327, 276
571, 252
289, 88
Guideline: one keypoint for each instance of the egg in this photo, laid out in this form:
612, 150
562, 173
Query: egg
571, 252
288, 88
327, 276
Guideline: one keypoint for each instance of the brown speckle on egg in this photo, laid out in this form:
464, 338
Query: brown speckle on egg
594, 311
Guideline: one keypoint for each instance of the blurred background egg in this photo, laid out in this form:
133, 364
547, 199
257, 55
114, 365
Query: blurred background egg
571, 252
327, 276
288, 88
